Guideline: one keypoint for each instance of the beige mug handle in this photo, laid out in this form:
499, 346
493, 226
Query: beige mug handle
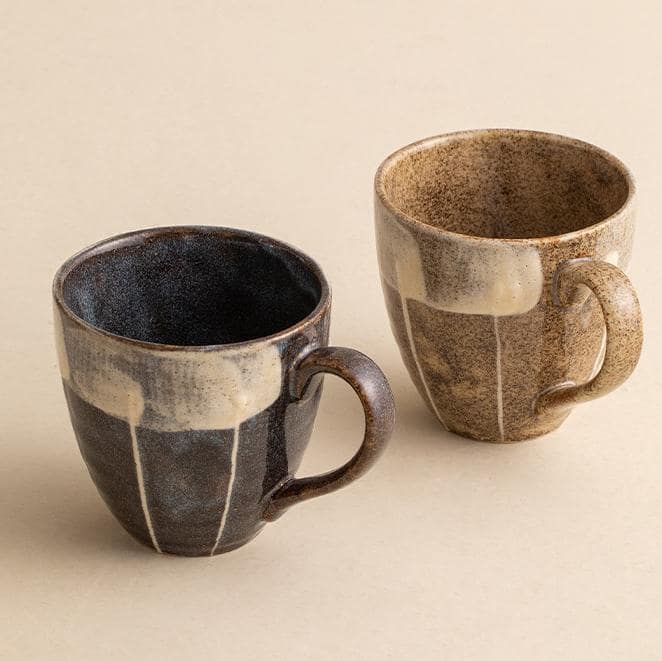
622, 316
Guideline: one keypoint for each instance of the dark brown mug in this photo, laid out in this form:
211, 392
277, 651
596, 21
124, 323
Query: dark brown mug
502, 256
191, 359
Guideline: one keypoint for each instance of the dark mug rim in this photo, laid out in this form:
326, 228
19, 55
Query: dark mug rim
432, 141
136, 237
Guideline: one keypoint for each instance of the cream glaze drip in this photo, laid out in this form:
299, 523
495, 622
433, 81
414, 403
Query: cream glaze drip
611, 257
472, 277
168, 390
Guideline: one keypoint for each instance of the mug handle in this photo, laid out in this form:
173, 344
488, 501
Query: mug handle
370, 384
622, 317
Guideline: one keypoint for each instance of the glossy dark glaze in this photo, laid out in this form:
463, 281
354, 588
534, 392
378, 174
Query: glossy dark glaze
181, 296
375, 394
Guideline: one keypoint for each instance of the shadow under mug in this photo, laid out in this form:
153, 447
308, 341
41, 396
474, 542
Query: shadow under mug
501, 255
191, 359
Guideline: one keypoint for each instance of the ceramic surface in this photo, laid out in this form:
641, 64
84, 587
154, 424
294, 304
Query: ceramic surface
489, 243
190, 359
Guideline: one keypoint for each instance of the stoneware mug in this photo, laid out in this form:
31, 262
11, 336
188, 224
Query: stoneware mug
501, 255
191, 359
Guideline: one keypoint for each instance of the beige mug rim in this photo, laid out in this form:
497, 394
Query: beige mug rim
432, 141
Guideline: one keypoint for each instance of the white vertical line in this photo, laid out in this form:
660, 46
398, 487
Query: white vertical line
141, 485
414, 353
228, 495
499, 387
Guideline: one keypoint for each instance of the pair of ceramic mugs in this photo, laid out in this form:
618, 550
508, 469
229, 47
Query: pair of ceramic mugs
192, 357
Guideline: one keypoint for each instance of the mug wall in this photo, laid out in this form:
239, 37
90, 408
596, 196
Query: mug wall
185, 445
477, 323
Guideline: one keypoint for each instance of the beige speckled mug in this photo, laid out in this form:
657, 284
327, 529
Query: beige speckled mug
501, 255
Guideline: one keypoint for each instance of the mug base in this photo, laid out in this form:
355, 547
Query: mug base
196, 552
542, 429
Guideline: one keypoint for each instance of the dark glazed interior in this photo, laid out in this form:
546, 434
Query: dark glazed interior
505, 184
191, 287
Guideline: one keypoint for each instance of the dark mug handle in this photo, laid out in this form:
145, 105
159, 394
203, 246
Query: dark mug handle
370, 384
622, 318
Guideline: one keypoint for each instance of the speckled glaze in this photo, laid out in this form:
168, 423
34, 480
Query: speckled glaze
191, 359
501, 255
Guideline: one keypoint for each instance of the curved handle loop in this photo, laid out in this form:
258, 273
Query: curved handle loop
370, 384
622, 316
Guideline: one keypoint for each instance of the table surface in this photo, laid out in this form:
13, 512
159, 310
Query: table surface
273, 117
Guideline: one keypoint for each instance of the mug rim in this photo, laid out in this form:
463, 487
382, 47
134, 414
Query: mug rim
432, 141
136, 237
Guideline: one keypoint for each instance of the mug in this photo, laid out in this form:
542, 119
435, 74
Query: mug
501, 255
191, 359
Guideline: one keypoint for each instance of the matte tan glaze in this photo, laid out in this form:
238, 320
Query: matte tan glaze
624, 332
475, 232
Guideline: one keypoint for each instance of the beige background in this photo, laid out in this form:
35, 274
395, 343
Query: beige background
125, 114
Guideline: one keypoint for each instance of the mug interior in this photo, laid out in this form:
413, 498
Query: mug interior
191, 286
504, 183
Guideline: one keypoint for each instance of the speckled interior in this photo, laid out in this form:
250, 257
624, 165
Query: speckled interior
506, 185
192, 289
